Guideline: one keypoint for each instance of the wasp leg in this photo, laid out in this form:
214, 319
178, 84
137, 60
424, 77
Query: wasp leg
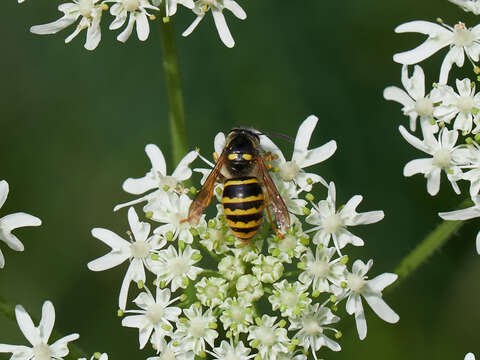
215, 156
270, 219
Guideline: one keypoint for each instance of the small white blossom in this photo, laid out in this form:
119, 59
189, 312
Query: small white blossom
196, 329
177, 267
468, 5
38, 337
312, 326
10, 222
170, 350
137, 9
357, 285
268, 338
267, 269
157, 177
444, 157
471, 157
217, 6
236, 315
97, 356
302, 157
463, 106
460, 40
416, 103
171, 209
320, 270
290, 247
139, 252
465, 214
333, 223
249, 287
228, 351
231, 267
217, 234
291, 299
212, 291
156, 314
90, 12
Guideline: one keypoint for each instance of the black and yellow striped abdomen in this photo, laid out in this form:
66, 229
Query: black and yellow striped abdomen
243, 205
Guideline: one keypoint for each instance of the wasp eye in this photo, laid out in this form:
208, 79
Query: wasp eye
232, 156
247, 157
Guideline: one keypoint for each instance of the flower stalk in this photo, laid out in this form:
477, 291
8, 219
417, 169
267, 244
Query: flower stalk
434, 241
176, 112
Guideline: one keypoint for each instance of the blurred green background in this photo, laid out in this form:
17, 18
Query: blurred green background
73, 126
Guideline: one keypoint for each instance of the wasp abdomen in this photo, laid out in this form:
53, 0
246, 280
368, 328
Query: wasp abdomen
243, 205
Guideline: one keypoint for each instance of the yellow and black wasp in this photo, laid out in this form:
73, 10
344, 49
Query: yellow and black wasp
241, 169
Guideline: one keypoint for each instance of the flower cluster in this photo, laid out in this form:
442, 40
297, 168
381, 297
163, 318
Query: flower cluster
130, 14
448, 113
202, 291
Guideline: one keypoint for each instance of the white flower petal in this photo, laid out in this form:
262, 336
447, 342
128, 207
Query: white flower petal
125, 34
3, 192
140, 230
469, 356
108, 261
94, 32
54, 27
399, 95
433, 182
48, 320
26, 325
59, 348
477, 242
417, 166
304, 134
381, 308
24, 351
17, 220
183, 171
139, 186
412, 140
235, 9
193, 25
360, 320
222, 28
110, 238
463, 214
455, 55
143, 28
381, 281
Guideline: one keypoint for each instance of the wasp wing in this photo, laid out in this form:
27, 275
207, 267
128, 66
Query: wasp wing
279, 208
205, 194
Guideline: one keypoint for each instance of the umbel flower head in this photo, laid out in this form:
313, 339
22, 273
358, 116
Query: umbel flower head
211, 307
38, 337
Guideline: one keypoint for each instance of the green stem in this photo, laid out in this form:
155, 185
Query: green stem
176, 113
8, 310
427, 247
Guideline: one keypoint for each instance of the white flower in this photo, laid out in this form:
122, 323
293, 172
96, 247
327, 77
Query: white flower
97, 356
444, 157
231, 267
217, 6
171, 5
196, 329
217, 234
268, 338
249, 287
463, 106
172, 210
267, 269
465, 214
333, 223
319, 270
139, 252
416, 103
469, 356
155, 315
89, 11
290, 195
468, 5
302, 157
228, 351
170, 350
177, 268
312, 327
212, 291
460, 39
157, 177
357, 285
8, 223
236, 314
38, 337
138, 15
291, 299
291, 246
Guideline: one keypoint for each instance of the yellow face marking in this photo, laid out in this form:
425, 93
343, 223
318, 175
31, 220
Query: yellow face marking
232, 156
242, 235
247, 157
250, 211
243, 225
227, 200
241, 182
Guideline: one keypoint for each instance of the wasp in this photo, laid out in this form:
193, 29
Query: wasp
241, 169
